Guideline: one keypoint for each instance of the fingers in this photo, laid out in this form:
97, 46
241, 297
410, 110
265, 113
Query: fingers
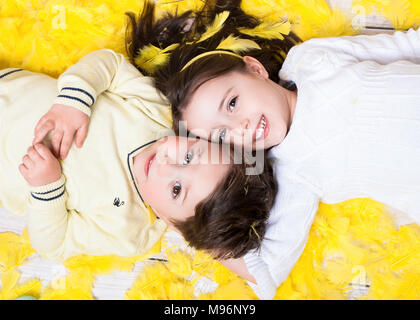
23, 170
28, 162
66, 143
56, 142
42, 129
43, 151
33, 154
81, 136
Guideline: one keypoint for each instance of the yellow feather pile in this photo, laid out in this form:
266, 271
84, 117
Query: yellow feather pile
351, 244
402, 14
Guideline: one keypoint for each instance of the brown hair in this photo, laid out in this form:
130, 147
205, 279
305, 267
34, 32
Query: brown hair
179, 86
232, 220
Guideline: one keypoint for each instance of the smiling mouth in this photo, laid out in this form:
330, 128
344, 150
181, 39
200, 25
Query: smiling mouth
262, 129
148, 164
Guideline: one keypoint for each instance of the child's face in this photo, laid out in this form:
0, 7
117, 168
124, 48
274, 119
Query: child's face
244, 108
175, 173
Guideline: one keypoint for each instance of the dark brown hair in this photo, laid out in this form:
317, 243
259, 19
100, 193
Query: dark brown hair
232, 220
178, 86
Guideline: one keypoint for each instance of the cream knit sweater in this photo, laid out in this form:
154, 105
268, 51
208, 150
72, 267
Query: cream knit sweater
95, 207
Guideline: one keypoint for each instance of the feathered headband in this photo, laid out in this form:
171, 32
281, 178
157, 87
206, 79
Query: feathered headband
150, 57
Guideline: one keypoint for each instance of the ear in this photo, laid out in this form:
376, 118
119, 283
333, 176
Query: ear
256, 67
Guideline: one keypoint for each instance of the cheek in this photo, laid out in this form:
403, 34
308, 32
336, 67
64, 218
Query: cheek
151, 196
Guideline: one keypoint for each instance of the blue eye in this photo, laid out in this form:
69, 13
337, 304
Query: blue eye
176, 190
188, 157
232, 104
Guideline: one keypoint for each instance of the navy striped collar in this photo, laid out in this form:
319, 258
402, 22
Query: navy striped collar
129, 157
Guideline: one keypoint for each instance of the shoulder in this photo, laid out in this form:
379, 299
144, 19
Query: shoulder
316, 54
295, 201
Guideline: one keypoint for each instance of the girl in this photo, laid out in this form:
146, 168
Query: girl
346, 128
96, 200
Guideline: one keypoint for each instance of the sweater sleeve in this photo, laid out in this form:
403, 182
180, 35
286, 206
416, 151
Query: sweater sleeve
341, 51
48, 216
105, 70
382, 48
59, 232
100, 70
285, 238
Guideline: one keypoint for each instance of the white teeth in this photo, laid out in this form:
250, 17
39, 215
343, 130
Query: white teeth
260, 128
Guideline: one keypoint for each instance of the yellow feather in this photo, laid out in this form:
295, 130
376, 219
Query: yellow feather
236, 44
215, 27
151, 57
268, 30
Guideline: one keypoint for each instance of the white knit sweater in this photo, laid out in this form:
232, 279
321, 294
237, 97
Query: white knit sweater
355, 133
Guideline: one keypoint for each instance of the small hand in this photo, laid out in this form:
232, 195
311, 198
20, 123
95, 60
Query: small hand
39, 166
66, 122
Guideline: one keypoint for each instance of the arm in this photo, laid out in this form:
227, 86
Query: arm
57, 231
382, 48
79, 86
284, 240
306, 58
238, 266
83, 82
47, 213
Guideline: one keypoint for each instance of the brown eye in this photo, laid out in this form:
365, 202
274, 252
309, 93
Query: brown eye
176, 190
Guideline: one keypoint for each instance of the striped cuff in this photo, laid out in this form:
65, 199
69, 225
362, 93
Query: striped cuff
78, 98
50, 194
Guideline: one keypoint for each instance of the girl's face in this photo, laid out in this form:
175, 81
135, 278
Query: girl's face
244, 108
175, 173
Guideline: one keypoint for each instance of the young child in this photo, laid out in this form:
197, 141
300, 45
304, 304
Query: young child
349, 130
96, 200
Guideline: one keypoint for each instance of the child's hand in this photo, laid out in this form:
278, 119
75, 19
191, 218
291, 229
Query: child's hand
66, 122
39, 166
